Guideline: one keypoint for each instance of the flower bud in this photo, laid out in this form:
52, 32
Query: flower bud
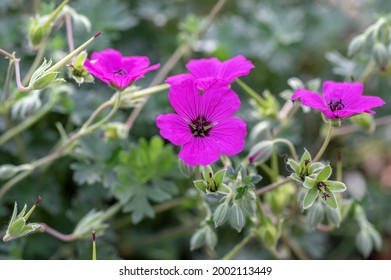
261, 152
17, 226
7, 171
42, 78
356, 44
77, 70
270, 107
364, 121
115, 131
38, 30
92, 221
380, 54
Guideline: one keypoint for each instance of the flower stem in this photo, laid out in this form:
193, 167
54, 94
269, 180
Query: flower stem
8, 81
325, 143
272, 186
235, 250
295, 248
57, 234
290, 146
250, 92
68, 26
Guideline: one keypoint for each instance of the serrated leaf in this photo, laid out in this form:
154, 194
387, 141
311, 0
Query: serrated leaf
310, 197
324, 174
86, 173
335, 186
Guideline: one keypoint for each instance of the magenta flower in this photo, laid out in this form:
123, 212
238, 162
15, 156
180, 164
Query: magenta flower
339, 100
203, 124
208, 71
117, 71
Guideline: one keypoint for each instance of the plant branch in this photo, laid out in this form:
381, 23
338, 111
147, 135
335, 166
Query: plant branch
64, 237
272, 186
325, 143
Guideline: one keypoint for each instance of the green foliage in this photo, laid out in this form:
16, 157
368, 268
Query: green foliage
141, 173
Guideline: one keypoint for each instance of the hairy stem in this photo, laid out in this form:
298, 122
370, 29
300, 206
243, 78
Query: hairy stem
325, 143
290, 146
30, 121
272, 186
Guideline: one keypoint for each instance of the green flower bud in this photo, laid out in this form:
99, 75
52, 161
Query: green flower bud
380, 54
364, 121
270, 107
356, 44
7, 171
41, 78
115, 131
92, 221
77, 70
261, 152
37, 30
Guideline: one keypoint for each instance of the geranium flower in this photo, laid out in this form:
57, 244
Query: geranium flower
112, 68
208, 71
203, 124
339, 100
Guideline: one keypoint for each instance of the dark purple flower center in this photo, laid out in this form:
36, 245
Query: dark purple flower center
322, 187
120, 72
336, 104
200, 127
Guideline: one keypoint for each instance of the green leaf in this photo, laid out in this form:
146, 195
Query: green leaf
295, 166
305, 160
210, 237
201, 185
335, 186
310, 183
220, 215
310, 197
324, 174
376, 237
86, 173
334, 216
296, 177
236, 217
316, 214
364, 242
198, 239
315, 168
329, 199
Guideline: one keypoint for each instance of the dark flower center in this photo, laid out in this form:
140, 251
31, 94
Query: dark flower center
200, 127
120, 72
335, 105
322, 188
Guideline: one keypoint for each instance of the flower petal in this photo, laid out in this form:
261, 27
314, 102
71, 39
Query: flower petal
185, 99
218, 103
309, 98
204, 68
229, 136
134, 64
347, 92
235, 67
109, 60
200, 150
174, 128
177, 79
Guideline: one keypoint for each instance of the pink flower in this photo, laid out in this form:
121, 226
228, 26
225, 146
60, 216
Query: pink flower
117, 71
203, 124
208, 71
339, 100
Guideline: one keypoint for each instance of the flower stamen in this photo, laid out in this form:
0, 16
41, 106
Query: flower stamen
200, 127
335, 105
120, 72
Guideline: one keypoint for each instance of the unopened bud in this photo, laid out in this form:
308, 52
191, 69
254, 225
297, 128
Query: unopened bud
381, 55
364, 121
115, 131
356, 44
261, 152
